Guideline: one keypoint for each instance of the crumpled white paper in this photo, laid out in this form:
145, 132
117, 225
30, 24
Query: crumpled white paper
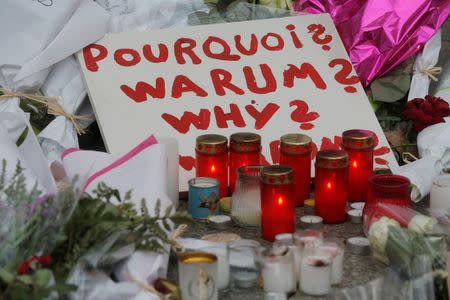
443, 85
35, 36
65, 81
94, 283
29, 153
425, 60
434, 149
143, 170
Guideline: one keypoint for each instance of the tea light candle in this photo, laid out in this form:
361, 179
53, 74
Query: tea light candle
331, 185
358, 245
295, 152
277, 201
212, 159
311, 222
219, 221
355, 216
359, 144
337, 256
315, 274
278, 272
244, 279
245, 149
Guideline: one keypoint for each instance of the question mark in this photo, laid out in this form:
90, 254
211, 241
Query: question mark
343, 75
318, 30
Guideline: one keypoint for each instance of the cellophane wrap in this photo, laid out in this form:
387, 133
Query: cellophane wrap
380, 34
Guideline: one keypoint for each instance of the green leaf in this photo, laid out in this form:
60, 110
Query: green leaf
26, 279
168, 211
6, 276
395, 85
42, 277
22, 136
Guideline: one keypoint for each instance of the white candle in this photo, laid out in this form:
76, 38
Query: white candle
171, 145
315, 274
440, 193
278, 272
337, 266
357, 205
223, 264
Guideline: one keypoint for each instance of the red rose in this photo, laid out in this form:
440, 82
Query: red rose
24, 267
426, 112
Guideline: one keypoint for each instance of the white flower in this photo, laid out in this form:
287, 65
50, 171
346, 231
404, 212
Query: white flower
378, 233
422, 224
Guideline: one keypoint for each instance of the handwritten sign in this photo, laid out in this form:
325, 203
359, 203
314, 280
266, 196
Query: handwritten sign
272, 77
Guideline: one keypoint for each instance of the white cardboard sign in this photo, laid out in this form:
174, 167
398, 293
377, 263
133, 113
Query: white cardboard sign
271, 76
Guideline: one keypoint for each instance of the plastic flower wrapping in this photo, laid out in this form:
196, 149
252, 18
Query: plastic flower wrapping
380, 34
412, 243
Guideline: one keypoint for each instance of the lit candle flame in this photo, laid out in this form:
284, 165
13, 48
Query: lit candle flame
280, 200
355, 164
329, 185
213, 169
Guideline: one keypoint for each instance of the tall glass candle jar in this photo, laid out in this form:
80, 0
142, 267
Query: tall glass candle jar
331, 185
245, 149
359, 144
212, 159
246, 200
295, 152
277, 201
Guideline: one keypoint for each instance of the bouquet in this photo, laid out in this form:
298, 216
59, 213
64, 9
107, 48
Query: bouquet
52, 243
411, 243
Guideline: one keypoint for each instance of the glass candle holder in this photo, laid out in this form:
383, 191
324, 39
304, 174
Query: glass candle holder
359, 145
212, 159
315, 272
331, 185
197, 275
295, 152
203, 197
336, 251
245, 263
278, 270
387, 189
277, 201
440, 193
245, 149
246, 200
222, 252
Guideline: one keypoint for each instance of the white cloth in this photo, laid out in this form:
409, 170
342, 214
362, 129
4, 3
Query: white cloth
425, 60
142, 171
434, 149
29, 153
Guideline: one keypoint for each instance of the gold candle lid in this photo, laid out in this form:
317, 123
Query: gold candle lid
358, 139
211, 144
332, 159
276, 174
295, 143
245, 142
196, 257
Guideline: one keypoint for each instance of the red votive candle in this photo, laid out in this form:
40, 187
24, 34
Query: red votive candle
359, 144
245, 149
212, 159
295, 152
277, 201
331, 185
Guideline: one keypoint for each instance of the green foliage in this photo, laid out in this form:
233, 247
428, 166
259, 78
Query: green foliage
96, 218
